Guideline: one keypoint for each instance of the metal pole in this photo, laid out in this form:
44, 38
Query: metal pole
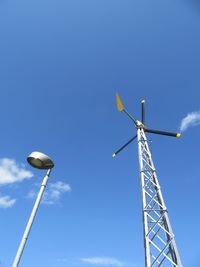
30, 221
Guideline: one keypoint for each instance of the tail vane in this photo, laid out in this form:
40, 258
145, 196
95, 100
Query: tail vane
119, 103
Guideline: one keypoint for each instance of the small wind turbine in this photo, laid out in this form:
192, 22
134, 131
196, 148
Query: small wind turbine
159, 241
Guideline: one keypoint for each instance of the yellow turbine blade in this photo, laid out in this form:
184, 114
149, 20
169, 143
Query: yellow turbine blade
119, 103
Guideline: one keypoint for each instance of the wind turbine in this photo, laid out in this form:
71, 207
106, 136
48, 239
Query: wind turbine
159, 240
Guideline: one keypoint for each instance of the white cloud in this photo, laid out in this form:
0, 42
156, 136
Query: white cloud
6, 202
53, 192
103, 261
192, 119
11, 172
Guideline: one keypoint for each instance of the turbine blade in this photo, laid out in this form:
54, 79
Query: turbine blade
121, 148
143, 111
162, 133
119, 103
121, 108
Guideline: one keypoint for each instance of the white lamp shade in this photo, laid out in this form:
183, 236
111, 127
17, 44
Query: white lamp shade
40, 161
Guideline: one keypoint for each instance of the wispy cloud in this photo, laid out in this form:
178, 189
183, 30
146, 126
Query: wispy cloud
6, 202
105, 261
53, 192
11, 172
98, 261
192, 119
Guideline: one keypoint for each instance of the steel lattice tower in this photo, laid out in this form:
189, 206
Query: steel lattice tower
159, 240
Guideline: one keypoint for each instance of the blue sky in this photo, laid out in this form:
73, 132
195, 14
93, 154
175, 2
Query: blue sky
61, 63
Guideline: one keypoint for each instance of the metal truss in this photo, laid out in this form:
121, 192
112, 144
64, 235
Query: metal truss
159, 241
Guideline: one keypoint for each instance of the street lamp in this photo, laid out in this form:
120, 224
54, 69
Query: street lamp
40, 161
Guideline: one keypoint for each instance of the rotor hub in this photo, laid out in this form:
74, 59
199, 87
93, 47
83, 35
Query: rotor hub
139, 124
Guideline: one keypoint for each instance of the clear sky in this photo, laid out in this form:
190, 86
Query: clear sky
61, 62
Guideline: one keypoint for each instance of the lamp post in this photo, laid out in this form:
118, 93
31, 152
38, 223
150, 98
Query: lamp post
40, 161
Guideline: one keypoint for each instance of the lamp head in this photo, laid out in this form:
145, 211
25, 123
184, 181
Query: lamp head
40, 161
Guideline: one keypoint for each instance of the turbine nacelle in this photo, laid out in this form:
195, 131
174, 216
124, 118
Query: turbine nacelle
139, 124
